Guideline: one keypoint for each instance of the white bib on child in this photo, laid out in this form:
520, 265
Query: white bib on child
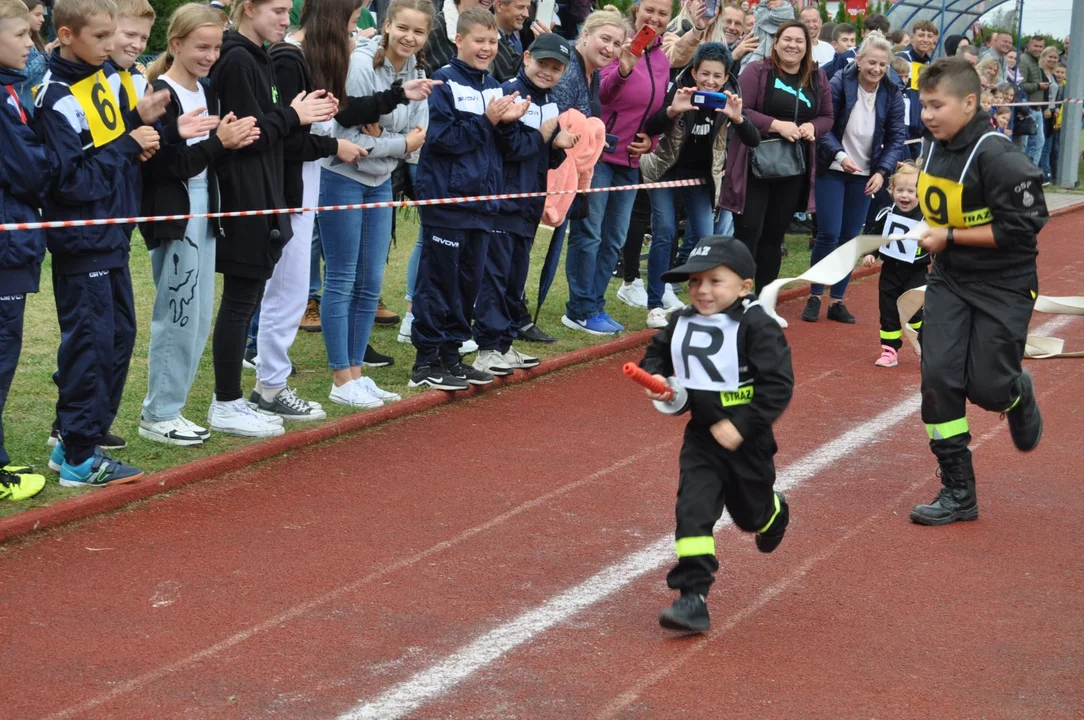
904, 250
704, 350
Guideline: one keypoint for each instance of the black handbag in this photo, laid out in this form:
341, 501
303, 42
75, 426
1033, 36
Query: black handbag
777, 157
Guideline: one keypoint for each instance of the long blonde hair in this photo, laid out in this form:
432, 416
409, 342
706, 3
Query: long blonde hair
185, 20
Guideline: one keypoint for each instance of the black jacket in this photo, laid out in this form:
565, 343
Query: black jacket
253, 178
166, 174
763, 363
978, 178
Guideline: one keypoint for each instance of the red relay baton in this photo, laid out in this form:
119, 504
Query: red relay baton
636, 374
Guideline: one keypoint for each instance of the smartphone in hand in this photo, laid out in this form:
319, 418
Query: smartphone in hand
642, 40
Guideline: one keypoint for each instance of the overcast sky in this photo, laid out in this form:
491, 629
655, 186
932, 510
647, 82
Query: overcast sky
1046, 16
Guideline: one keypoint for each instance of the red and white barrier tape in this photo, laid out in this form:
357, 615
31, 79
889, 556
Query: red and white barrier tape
7, 227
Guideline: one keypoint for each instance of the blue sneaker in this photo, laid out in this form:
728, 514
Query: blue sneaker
56, 457
618, 327
592, 326
99, 470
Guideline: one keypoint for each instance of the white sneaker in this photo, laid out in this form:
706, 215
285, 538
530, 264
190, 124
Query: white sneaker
657, 319
492, 362
355, 395
468, 348
515, 359
670, 301
170, 432
633, 294
404, 328
237, 418
197, 429
377, 392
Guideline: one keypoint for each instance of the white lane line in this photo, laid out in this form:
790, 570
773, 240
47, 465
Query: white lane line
438, 679
306, 607
408, 696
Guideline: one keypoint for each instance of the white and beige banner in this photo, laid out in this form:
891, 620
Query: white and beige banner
843, 260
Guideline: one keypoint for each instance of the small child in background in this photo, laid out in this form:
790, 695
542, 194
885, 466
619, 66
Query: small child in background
1001, 121
733, 371
904, 264
912, 107
768, 17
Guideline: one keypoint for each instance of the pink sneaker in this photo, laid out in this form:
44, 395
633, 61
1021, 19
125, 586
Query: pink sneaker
889, 357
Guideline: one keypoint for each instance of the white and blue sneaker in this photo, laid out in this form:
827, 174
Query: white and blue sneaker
56, 457
592, 326
99, 470
618, 327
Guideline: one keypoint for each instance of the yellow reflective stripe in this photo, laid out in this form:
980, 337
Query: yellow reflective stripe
915, 325
891, 334
692, 546
946, 430
1014, 404
772, 518
1034, 295
741, 396
982, 216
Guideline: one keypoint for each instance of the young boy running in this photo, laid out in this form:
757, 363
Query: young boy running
983, 200
733, 362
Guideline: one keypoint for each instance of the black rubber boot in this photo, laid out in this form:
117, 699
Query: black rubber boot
689, 613
1025, 420
769, 539
956, 501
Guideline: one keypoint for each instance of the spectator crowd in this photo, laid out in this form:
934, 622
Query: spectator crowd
272, 104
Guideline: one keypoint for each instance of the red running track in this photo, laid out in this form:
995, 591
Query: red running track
505, 557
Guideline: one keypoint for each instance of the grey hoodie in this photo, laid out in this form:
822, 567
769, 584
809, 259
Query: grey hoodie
388, 150
767, 24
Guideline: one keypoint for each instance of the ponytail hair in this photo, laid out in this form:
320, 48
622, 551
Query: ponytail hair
425, 7
185, 20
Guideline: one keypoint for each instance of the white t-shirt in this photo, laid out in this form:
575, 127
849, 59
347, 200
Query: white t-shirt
190, 101
823, 52
858, 136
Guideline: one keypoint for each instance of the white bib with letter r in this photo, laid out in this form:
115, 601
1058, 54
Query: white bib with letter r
704, 350
905, 250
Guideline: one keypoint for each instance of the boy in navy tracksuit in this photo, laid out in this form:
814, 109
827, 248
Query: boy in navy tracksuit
79, 116
538, 145
26, 168
470, 127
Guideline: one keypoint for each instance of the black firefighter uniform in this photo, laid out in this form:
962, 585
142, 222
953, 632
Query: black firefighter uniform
735, 365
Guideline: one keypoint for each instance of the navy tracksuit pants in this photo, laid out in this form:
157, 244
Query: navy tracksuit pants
12, 309
500, 306
97, 333
449, 278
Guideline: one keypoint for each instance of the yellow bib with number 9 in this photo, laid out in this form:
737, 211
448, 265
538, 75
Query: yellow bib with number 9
942, 202
100, 105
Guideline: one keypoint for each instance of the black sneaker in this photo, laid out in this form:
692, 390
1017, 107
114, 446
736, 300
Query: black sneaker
471, 374
812, 310
533, 333
1025, 421
769, 539
838, 311
437, 378
109, 440
375, 359
956, 501
688, 613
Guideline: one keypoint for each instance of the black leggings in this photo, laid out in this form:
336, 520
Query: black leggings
769, 207
240, 298
639, 225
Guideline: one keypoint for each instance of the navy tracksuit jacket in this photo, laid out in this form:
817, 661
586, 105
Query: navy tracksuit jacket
26, 169
80, 117
501, 308
463, 155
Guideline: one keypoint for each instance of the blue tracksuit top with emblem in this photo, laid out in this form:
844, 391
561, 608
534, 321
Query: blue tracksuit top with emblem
80, 118
462, 154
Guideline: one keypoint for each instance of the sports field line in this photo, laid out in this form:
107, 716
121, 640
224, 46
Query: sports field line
436, 680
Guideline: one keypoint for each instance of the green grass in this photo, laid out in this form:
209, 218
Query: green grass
30, 406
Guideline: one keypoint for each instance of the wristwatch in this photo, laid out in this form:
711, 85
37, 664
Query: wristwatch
950, 238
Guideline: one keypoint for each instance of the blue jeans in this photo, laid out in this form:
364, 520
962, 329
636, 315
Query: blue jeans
1044, 158
701, 222
1033, 145
595, 242
841, 213
316, 281
724, 222
416, 251
184, 304
356, 246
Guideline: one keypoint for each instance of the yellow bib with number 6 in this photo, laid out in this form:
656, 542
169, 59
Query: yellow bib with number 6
100, 104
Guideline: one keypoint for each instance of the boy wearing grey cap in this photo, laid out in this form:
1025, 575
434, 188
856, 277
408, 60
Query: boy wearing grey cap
730, 366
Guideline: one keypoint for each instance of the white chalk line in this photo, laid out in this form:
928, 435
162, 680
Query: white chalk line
428, 684
303, 608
